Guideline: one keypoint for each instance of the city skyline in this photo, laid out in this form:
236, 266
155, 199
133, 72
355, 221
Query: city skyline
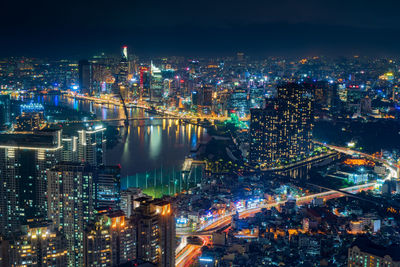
202, 134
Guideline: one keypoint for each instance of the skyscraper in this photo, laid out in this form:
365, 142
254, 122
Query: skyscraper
85, 77
205, 98
121, 85
128, 197
37, 244
109, 240
24, 160
296, 121
281, 132
107, 187
264, 134
238, 102
5, 112
70, 148
155, 223
156, 84
71, 204
124, 65
92, 145
144, 81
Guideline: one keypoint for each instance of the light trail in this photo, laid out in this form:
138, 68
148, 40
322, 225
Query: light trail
191, 252
393, 172
186, 256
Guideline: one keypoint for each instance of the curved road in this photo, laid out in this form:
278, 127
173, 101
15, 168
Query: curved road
187, 254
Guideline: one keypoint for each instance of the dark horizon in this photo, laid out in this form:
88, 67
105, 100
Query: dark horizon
287, 28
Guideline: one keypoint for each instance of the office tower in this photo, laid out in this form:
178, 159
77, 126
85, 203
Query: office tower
5, 112
144, 81
264, 134
325, 95
282, 132
85, 77
156, 83
70, 148
124, 64
107, 187
363, 252
256, 97
128, 197
92, 145
109, 240
206, 95
155, 224
24, 160
195, 99
238, 102
205, 102
167, 87
321, 91
102, 78
71, 203
121, 84
37, 244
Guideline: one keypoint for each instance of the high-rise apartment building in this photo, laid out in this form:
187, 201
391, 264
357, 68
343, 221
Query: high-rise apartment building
281, 132
128, 197
24, 160
155, 224
71, 204
37, 244
264, 134
70, 148
296, 120
109, 240
364, 252
92, 145
29, 122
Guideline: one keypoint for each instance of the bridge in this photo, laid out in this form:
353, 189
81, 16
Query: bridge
393, 169
148, 107
126, 121
215, 225
118, 120
300, 169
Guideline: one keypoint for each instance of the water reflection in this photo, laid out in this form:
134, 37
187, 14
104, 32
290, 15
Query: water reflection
147, 145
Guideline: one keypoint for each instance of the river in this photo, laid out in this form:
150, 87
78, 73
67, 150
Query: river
151, 152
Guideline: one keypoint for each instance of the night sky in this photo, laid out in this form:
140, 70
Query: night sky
219, 27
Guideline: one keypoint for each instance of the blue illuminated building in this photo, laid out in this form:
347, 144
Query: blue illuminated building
239, 102
32, 107
107, 187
